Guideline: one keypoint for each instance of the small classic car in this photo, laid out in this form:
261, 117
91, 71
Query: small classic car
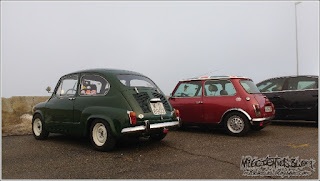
229, 101
105, 104
294, 97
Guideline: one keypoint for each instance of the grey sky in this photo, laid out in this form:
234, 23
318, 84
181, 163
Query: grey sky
166, 41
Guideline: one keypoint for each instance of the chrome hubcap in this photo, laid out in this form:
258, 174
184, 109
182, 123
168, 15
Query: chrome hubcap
37, 127
235, 124
99, 134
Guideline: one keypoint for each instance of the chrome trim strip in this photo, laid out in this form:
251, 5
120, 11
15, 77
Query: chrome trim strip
236, 109
263, 119
155, 100
152, 126
133, 129
283, 91
166, 124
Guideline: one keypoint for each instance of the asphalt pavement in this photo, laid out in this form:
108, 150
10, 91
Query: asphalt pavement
192, 153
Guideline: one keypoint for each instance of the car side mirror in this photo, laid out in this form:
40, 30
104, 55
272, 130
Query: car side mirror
48, 89
171, 96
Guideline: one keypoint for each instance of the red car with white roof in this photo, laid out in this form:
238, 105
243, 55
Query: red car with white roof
233, 102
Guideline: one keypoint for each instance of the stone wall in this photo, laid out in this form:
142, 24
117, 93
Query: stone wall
17, 114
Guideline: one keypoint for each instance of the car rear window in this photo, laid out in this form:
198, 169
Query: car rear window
249, 86
131, 80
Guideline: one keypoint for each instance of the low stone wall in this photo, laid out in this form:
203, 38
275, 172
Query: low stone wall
17, 114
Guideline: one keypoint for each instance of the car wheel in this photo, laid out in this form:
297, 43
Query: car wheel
37, 128
158, 137
236, 124
100, 136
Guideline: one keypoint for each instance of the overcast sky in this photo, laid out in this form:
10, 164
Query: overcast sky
166, 41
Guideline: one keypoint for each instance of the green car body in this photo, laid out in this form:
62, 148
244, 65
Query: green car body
74, 114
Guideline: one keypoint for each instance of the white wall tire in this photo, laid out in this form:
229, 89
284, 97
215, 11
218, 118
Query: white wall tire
100, 136
236, 124
38, 128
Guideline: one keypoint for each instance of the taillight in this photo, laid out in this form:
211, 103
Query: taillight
257, 110
133, 118
177, 113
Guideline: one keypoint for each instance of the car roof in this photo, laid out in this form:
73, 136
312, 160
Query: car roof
289, 76
215, 77
106, 71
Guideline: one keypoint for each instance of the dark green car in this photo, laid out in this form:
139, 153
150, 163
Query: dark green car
105, 104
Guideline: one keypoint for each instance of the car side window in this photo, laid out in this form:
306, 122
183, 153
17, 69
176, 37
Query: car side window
93, 85
189, 89
272, 85
302, 83
219, 88
67, 86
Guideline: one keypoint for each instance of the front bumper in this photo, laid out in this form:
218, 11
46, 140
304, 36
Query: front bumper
147, 126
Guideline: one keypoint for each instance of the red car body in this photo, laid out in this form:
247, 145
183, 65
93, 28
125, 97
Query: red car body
216, 99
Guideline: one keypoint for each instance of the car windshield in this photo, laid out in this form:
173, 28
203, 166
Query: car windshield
131, 80
249, 86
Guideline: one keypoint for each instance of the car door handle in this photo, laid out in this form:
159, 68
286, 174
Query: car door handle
277, 97
71, 98
199, 102
314, 95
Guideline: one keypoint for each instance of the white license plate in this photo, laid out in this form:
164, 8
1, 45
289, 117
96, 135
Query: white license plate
157, 108
268, 109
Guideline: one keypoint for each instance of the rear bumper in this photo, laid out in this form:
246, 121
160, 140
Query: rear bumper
261, 122
148, 126
262, 119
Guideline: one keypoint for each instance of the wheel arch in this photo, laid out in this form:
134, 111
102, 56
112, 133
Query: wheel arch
38, 112
101, 117
241, 111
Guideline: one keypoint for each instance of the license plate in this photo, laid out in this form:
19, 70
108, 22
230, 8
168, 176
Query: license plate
157, 108
268, 109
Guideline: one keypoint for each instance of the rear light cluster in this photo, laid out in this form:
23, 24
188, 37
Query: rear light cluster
257, 110
177, 113
133, 117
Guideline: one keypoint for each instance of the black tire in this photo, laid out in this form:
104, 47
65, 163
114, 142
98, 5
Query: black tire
101, 137
256, 128
236, 124
38, 130
158, 137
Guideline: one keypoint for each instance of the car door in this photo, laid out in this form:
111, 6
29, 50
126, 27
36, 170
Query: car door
59, 108
187, 98
273, 89
219, 96
301, 97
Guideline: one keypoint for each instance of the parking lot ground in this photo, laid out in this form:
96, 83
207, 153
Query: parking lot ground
192, 153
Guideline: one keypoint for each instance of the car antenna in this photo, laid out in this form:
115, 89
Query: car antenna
216, 70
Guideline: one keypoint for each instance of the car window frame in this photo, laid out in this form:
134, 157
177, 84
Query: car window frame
58, 85
93, 95
174, 91
288, 80
219, 80
284, 85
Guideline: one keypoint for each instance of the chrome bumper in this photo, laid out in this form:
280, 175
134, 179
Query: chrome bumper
150, 126
262, 119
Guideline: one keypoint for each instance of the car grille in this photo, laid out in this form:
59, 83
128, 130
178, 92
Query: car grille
142, 99
163, 100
